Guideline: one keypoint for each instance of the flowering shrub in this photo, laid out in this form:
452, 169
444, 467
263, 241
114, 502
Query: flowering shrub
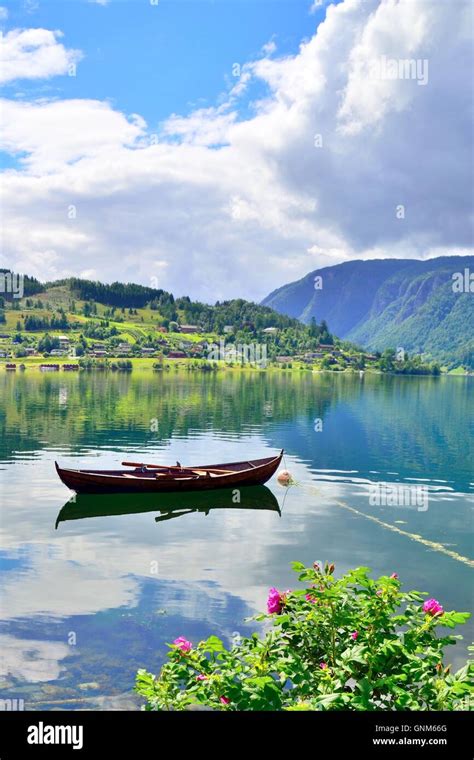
352, 643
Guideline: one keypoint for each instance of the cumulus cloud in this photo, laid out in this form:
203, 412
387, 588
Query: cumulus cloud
216, 205
34, 54
62, 132
388, 40
206, 126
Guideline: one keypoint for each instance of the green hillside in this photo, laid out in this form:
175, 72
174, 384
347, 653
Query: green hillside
122, 325
390, 303
426, 318
85, 318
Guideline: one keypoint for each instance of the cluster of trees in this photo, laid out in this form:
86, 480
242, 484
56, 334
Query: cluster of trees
118, 293
89, 309
388, 362
289, 342
58, 321
47, 343
31, 285
38, 304
467, 358
249, 320
123, 365
100, 330
111, 312
460, 357
238, 312
321, 332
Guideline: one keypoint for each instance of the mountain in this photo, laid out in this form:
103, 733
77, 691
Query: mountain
383, 303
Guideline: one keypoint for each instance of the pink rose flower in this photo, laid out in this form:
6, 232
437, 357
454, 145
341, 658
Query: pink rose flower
274, 601
323, 665
311, 598
432, 607
183, 644
354, 635
201, 677
225, 700
394, 575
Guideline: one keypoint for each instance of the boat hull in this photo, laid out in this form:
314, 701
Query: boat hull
255, 472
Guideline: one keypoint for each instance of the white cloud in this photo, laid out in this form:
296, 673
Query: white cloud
3, 13
266, 205
207, 126
316, 5
62, 132
391, 36
269, 47
34, 54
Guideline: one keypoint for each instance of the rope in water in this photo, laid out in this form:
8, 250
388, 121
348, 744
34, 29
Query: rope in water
435, 546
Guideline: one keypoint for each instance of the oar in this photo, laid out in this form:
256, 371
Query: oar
175, 467
153, 466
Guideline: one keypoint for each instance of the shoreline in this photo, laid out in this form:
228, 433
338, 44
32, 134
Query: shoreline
147, 364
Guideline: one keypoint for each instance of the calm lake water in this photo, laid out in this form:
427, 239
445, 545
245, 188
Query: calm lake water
93, 590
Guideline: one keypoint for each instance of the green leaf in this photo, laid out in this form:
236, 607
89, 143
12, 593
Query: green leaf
458, 618
213, 644
328, 699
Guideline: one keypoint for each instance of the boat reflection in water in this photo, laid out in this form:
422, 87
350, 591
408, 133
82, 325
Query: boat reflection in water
169, 505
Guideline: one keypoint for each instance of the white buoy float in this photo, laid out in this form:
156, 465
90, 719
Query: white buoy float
285, 478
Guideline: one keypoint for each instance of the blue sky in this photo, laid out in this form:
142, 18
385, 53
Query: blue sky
155, 164
164, 59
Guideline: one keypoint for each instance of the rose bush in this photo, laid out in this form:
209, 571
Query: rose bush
351, 643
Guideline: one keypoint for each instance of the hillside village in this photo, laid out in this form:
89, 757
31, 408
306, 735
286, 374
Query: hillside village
76, 324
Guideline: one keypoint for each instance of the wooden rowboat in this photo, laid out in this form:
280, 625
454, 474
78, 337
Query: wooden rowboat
153, 478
